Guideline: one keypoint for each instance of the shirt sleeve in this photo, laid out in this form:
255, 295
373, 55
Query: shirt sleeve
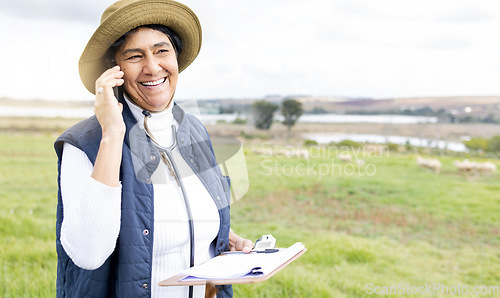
91, 211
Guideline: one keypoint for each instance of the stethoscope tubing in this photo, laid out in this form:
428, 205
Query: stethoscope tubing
168, 152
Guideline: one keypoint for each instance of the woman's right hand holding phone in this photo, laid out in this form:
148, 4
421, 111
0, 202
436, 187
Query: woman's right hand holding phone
109, 114
106, 107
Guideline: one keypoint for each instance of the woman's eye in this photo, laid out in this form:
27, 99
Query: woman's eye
134, 58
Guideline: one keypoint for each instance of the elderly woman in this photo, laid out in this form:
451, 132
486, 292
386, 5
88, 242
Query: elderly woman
141, 196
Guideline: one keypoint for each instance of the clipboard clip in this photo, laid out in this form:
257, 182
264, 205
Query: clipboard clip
266, 242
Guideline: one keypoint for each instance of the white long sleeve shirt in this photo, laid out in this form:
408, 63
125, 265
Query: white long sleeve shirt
92, 212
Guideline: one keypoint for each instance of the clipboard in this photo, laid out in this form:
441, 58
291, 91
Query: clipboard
176, 279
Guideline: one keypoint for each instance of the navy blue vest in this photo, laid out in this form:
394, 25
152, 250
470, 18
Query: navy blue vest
127, 272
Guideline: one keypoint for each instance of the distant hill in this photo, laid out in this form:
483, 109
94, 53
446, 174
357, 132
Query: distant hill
457, 103
448, 109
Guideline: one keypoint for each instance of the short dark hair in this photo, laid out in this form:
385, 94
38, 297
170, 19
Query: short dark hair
174, 38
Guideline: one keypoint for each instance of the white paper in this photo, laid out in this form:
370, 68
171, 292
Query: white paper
242, 265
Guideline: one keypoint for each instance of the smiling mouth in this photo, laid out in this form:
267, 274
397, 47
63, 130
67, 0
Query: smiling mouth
154, 83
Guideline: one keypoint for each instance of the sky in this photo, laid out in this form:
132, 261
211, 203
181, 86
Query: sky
259, 48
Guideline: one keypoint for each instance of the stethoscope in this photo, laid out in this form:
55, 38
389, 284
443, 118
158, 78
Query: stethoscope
168, 159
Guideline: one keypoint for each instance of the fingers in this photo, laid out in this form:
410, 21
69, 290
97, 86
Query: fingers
106, 106
247, 246
244, 245
112, 77
246, 249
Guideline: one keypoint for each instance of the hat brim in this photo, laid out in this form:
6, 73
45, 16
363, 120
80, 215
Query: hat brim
175, 15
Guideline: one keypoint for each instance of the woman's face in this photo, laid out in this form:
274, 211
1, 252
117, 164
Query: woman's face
149, 63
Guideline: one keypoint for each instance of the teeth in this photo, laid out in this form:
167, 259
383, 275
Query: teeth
154, 83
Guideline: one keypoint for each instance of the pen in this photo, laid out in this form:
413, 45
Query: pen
266, 251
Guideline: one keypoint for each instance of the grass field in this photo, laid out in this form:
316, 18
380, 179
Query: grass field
387, 223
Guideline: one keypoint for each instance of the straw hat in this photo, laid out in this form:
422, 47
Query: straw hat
125, 15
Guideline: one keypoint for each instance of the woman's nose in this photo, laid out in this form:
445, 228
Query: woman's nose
152, 66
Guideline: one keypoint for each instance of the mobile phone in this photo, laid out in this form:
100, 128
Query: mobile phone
116, 91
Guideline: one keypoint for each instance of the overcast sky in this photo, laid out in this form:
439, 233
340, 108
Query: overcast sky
355, 48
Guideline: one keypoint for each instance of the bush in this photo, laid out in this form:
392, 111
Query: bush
310, 143
246, 135
408, 146
392, 146
349, 144
494, 144
477, 144
239, 120
481, 144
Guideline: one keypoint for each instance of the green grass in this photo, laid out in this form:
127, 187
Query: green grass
28, 193
389, 223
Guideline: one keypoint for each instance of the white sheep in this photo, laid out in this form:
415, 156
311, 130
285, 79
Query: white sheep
465, 166
360, 162
345, 157
487, 168
421, 161
434, 165
431, 164
471, 167
263, 151
300, 153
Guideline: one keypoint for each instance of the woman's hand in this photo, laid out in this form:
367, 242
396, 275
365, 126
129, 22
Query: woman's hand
109, 114
237, 243
106, 107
